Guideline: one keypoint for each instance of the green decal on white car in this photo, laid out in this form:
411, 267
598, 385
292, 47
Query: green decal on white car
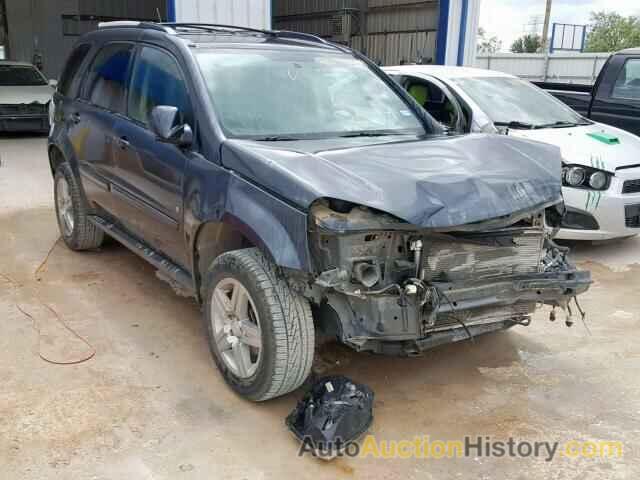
593, 200
605, 138
593, 197
596, 162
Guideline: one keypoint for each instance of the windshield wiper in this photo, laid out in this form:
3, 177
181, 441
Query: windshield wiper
372, 133
276, 138
561, 124
516, 124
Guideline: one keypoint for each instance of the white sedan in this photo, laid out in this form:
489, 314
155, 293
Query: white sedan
24, 98
601, 174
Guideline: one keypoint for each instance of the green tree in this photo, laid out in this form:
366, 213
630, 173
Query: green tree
487, 45
530, 43
611, 32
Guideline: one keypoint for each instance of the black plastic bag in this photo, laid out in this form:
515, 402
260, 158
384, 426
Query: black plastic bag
335, 412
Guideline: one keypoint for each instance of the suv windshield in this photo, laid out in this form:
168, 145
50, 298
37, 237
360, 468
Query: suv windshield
514, 102
280, 95
13, 75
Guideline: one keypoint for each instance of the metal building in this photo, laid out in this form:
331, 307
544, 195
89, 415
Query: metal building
246, 13
390, 32
43, 31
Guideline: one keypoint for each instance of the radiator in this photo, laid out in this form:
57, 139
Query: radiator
489, 255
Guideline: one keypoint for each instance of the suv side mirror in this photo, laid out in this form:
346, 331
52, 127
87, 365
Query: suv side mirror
53, 83
165, 123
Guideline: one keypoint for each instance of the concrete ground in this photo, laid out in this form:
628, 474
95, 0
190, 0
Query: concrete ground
150, 404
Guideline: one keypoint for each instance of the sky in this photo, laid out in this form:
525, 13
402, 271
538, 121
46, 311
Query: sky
507, 19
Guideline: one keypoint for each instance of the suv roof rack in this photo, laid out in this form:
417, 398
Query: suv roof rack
217, 27
132, 24
213, 27
173, 28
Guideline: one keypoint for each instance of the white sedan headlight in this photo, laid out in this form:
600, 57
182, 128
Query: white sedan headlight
578, 176
574, 176
598, 180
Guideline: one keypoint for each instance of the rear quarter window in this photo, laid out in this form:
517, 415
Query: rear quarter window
70, 72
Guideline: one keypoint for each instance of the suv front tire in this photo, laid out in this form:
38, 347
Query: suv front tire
260, 331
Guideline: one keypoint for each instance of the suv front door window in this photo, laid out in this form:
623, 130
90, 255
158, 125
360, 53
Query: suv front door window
157, 80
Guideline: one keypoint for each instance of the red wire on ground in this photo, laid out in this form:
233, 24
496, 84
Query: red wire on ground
34, 322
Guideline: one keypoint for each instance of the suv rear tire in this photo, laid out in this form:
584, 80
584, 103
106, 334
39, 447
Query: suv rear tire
77, 231
260, 331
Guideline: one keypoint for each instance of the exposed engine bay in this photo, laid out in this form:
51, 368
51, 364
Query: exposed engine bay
387, 287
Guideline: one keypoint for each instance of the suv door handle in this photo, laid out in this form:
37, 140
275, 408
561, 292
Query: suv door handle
123, 143
75, 117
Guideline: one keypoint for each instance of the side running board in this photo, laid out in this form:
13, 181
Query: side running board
162, 263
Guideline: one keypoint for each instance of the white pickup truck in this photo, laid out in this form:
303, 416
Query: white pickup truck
601, 171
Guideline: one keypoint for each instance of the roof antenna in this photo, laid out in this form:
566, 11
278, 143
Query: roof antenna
159, 16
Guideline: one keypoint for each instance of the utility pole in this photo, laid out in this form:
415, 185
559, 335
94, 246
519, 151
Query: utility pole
545, 29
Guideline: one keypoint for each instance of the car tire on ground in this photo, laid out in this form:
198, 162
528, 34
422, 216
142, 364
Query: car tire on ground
260, 331
77, 231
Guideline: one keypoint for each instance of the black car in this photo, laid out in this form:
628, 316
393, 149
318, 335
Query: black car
294, 189
615, 97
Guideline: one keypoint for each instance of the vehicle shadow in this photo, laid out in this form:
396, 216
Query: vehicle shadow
409, 378
22, 135
617, 254
117, 268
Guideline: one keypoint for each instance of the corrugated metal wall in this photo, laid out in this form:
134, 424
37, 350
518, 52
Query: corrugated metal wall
396, 48
146, 9
305, 7
246, 13
396, 30
559, 67
37, 26
401, 16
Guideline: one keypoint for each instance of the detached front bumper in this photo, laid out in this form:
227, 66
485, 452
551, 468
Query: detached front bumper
616, 211
391, 324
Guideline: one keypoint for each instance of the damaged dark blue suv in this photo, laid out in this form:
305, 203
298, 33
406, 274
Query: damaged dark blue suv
295, 190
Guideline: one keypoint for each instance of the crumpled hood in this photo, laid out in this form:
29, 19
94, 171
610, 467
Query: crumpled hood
434, 183
579, 148
25, 94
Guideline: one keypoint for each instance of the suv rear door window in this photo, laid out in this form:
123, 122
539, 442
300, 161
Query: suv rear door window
73, 64
107, 78
157, 80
